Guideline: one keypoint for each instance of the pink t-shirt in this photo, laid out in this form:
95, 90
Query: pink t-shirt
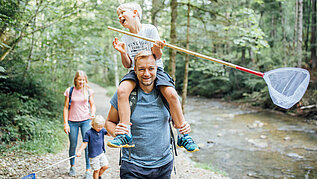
79, 109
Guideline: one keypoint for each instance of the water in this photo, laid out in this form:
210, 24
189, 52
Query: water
247, 143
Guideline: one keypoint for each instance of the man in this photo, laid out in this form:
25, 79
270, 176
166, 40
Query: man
151, 157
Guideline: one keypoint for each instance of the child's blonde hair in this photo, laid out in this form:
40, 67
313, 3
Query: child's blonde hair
77, 75
98, 121
131, 6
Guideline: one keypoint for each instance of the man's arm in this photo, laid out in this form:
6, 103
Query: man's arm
112, 125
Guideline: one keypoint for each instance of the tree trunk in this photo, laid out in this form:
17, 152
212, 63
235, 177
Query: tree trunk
313, 35
155, 9
300, 32
295, 26
243, 55
283, 33
173, 38
185, 82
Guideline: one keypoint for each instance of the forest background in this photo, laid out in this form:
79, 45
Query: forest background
44, 42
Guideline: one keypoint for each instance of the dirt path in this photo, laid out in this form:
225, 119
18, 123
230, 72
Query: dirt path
16, 166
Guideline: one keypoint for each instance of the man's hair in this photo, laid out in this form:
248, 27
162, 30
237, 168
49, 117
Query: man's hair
131, 6
98, 121
143, 54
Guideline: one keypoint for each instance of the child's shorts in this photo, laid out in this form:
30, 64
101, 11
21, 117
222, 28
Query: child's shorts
162, 78
97, 162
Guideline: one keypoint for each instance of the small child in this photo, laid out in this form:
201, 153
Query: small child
94, 138
130, 17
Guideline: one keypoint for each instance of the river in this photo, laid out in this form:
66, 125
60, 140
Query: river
247, 143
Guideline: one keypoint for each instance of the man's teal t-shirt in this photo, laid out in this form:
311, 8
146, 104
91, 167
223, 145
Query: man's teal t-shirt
150, 131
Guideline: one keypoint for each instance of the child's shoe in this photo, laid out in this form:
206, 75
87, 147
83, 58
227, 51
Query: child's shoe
88, 175
122, 140
187, 142
72, 172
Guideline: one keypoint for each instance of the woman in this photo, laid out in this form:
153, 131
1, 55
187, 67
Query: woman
76, 115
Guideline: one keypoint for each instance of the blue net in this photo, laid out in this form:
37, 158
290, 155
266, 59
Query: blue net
31, 176
287, 85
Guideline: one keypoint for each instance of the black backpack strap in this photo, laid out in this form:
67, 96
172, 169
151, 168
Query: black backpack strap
133, 99
70, 96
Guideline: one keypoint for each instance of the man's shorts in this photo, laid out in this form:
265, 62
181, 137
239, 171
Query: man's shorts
162, 78
97, 162
130, 171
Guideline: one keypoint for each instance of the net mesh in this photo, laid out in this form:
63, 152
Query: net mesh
287, 85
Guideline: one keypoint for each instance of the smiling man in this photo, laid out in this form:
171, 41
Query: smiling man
152, 156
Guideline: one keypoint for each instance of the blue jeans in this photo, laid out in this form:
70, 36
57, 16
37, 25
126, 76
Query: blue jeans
73, 137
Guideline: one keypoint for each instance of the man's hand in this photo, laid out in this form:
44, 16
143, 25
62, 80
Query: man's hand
121, 129
185, 128
120, 46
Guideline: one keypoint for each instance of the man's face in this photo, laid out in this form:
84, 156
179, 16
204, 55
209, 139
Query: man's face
145, 69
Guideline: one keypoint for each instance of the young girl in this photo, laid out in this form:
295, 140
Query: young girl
94, 139
77, 116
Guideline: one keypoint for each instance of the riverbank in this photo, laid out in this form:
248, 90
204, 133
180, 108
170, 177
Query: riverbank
19, 164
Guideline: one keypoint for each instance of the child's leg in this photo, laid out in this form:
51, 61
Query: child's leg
171, 96
124, 90
184, 140
103, 169
96, 174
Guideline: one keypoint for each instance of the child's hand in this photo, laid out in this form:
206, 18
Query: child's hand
78, 154
120, 46
159, 44
93, 116
185, 128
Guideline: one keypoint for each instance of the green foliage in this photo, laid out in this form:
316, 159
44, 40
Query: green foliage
28, 116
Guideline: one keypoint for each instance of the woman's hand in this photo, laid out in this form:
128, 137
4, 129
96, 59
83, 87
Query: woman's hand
185, 128
66, 128
121, 129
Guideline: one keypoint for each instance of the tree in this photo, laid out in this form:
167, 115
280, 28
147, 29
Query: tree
185, 82
300, 32
313, 35
173, 39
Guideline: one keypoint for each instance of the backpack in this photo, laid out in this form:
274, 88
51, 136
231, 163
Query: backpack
133, 99
70, 96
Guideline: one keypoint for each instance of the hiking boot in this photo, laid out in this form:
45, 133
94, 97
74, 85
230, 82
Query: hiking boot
187, 142
122, 140
88, 175
72, 172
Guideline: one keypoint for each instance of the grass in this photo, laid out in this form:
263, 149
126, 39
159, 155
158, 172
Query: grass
211, 168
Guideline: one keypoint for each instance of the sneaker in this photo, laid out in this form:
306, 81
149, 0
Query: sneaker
122, 140
187, 142
72, 172
88, 175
